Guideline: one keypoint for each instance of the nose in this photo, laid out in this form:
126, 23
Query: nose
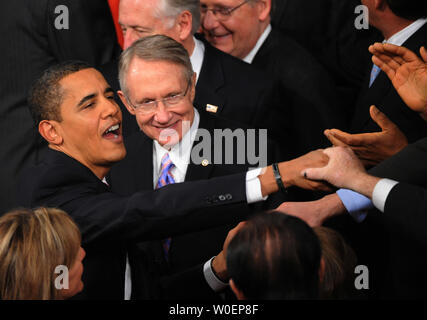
129, 37
109, 108
209, 21
162, 114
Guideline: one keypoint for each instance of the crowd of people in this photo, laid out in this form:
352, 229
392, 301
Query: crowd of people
231, 149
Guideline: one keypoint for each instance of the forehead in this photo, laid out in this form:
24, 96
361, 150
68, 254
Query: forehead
223, 3
156, 75
133, 12
83, 82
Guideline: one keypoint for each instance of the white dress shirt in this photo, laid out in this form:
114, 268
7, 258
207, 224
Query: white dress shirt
197, 57
250, 57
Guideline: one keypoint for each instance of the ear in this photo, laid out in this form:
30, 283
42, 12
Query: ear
264, 9
48, 129
321, 270
125, 102
380, 5
184, 25
239, 294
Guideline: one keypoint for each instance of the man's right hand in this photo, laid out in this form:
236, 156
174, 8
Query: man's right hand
314, 213
291, 173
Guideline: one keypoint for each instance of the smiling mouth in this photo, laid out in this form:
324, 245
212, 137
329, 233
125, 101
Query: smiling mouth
112, 132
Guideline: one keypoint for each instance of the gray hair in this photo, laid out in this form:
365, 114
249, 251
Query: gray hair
154, 48
172, 8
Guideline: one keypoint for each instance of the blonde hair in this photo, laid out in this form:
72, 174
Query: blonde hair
32, 244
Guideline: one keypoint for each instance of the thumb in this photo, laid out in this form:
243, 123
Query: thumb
314, 173
380, 118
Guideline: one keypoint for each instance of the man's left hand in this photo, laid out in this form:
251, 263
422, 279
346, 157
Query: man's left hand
372, 148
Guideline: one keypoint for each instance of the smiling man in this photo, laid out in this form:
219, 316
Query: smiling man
309, 101
225, 86
76, 114
171, 127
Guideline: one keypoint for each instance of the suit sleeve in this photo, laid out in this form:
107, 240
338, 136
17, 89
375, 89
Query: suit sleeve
406, 207
406, 166
172, 210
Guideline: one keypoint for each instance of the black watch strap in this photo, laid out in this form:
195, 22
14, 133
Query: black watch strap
278, 178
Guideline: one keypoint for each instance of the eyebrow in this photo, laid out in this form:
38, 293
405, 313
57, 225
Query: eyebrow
93, 95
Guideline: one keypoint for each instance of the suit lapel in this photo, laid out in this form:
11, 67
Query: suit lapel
199, 171
381, 85
143, 164
211, 80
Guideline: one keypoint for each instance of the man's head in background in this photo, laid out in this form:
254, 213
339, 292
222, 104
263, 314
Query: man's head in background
74, 109
158, 87
274, 256
234, 26
391, 16
178, 19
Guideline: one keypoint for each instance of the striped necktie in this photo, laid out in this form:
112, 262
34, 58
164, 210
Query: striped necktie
166, 178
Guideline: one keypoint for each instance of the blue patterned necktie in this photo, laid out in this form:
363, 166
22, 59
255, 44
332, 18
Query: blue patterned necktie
374, 73
166, 178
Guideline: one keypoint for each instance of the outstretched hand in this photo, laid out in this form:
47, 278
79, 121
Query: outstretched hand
343, 170
374, 147
407, 72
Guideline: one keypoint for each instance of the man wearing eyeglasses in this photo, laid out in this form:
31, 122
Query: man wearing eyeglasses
224, 85
170, 125
242, 28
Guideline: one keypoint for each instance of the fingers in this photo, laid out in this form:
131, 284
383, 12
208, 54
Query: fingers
314, 173
380, 62
380, 118
331, 135
343, 139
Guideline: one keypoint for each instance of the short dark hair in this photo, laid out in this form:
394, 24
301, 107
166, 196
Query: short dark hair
275, 256
408, 9
45, 96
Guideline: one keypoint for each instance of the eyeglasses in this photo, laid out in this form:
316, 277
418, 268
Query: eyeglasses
169, 102
221, 13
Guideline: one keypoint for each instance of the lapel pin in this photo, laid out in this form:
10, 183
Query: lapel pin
205, 162
211, 108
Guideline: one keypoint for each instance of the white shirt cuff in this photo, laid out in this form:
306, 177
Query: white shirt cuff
212, 280
381, 191
253, 186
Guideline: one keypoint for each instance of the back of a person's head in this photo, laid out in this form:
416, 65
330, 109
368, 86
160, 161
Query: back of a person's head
275, 256
408, 9
339, 262
32, 244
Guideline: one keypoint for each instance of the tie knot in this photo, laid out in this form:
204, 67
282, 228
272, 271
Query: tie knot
166, 163
166, 176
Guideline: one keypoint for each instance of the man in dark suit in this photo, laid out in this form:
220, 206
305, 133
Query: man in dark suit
145, 151
76, 114
225, 86
308, 95
402, 23
397, 233
34, 39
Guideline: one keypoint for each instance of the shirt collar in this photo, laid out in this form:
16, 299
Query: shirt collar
197, 56
250, 57
181, 152
400, 37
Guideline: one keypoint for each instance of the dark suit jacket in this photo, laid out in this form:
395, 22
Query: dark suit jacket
392, 243
31, 43
240, 92
309, 103
384, 96
326, 29
153, 276
108, 222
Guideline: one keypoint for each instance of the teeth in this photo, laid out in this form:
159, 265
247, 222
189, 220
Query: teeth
113, 128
